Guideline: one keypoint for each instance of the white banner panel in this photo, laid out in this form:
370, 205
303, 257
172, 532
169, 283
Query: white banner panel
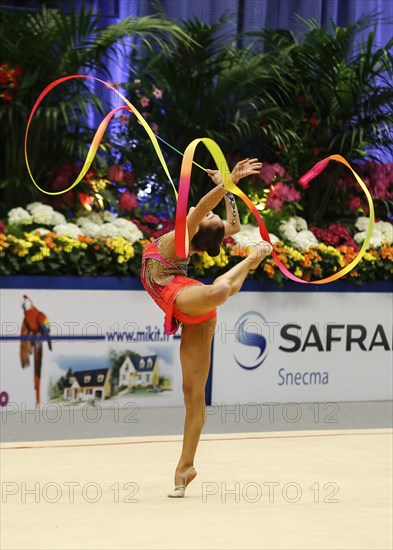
107, 347
303, 347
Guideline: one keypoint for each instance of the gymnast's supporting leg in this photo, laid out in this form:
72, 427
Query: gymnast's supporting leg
195, 349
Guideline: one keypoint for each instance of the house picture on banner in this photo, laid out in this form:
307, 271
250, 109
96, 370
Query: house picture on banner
130, 373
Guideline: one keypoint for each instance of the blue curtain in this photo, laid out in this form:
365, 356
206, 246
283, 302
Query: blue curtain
254, 15
251, 15
248, 16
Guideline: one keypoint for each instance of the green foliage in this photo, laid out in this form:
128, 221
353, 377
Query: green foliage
209, 91
333, 95
48, 45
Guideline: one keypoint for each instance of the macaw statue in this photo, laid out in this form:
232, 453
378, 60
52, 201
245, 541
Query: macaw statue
35, 323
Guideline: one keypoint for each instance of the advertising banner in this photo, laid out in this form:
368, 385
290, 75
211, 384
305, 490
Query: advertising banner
303, 347
72, 347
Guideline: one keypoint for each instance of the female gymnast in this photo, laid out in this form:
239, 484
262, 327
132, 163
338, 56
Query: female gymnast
193, 304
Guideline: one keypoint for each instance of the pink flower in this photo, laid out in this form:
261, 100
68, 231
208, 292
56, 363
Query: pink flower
279, 193
313, 121
267, 173
168, 225
2, 227
116, 173
229, 240
129, 179
279, 170
145, 101
354, 203
275, 203
128, 201
335, 235
63, 177
150, 219
146, 230
158, 94
124, 119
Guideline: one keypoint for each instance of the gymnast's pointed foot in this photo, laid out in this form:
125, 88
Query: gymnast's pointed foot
181, 482
258, 252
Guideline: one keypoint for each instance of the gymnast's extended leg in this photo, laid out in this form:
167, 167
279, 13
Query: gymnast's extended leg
198, 299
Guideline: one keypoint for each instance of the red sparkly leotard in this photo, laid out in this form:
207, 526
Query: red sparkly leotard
164, 280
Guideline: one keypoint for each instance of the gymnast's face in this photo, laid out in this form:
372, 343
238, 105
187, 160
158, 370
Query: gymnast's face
211, 220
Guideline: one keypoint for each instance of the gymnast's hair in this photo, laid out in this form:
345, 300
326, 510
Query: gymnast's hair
209, 239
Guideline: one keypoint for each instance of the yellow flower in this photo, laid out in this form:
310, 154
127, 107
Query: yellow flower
294, 254
369, 257
30, 237
221, 260
298, 272
123, 248
44, 252
207, 261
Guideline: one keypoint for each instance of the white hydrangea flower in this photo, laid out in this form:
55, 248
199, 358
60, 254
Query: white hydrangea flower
42, 213
386, 229
295, 230
300, 223
33, 205
57, 218
92, 217
91, 229
121, 222
19, 216
305, 239
67, 230
382, 232
132, 235
273, 238
362, 223
108, 216
109, 230
288, 231
250, 234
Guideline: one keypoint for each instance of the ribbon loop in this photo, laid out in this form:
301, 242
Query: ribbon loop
181, 233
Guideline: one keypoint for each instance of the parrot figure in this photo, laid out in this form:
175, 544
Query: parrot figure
35, 323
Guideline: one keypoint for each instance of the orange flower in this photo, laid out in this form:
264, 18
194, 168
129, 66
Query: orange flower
85, 239
269, 269
386, 252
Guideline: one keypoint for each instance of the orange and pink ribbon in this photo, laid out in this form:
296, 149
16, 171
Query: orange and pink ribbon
181, 235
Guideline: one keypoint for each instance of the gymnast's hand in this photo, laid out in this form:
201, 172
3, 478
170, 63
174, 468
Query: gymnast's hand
245, 168
215, 176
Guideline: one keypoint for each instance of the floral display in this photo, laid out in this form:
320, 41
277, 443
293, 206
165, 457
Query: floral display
9, 83
40, 240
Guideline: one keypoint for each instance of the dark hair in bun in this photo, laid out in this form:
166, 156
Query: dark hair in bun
209, 239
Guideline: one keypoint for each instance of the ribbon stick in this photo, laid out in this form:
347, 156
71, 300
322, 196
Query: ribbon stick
181, 233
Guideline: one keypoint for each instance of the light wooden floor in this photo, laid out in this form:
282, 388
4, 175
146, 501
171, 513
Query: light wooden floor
332, 489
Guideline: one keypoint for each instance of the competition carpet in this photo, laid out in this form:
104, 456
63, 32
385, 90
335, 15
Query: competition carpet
279, 490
